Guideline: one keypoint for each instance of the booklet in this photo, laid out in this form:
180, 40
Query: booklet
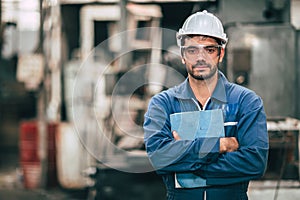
191, 125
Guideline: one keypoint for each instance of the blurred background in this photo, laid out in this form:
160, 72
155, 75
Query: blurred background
76, 77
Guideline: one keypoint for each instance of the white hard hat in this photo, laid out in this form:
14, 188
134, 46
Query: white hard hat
202, 23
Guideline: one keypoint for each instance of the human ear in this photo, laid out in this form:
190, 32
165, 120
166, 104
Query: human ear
182, 60
222, 53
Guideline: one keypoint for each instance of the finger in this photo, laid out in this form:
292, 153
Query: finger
175, 135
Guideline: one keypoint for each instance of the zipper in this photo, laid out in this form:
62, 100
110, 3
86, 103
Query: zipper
198, 106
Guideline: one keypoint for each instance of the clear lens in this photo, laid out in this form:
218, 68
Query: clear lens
192, 52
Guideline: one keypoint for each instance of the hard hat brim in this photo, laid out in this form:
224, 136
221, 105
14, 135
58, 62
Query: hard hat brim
223, 39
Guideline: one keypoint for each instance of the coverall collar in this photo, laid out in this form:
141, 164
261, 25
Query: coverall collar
184, 90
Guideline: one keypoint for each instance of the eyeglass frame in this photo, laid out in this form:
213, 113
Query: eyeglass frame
219, 47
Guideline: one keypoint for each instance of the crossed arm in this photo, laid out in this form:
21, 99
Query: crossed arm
227, 144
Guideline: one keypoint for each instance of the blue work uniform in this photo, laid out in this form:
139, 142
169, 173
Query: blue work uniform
227, 174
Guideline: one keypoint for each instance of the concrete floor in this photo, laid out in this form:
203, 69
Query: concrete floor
11, 187
266, 190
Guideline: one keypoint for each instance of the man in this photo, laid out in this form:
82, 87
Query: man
233, 160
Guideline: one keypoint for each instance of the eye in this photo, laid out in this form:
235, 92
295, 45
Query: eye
211, 49
192, 50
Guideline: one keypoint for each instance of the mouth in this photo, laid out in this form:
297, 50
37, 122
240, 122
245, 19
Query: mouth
201, 67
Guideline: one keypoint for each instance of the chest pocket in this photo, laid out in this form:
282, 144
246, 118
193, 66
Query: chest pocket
230, 114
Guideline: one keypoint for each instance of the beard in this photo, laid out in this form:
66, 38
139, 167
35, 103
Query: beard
212, 71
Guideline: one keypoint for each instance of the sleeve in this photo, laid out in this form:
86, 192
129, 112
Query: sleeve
250, 160
165, 153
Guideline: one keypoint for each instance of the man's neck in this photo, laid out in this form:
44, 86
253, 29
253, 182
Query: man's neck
203, 89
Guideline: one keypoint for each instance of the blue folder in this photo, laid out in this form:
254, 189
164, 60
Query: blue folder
191, 125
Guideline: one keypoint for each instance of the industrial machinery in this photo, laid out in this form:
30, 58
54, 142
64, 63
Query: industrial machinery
106, 94
106, 58
119, 57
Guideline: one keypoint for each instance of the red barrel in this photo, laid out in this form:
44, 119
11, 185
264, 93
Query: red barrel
29, 158
29, 141
32, 173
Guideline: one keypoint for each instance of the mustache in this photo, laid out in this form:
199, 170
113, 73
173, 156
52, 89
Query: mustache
201, 63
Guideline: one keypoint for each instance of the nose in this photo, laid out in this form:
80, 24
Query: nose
202, 53
201, 56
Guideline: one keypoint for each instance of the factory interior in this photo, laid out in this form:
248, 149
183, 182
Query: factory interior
76, 77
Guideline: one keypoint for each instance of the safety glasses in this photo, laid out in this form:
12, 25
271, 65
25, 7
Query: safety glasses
194, 51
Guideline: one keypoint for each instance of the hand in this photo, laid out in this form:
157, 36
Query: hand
228, 144
176, 135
